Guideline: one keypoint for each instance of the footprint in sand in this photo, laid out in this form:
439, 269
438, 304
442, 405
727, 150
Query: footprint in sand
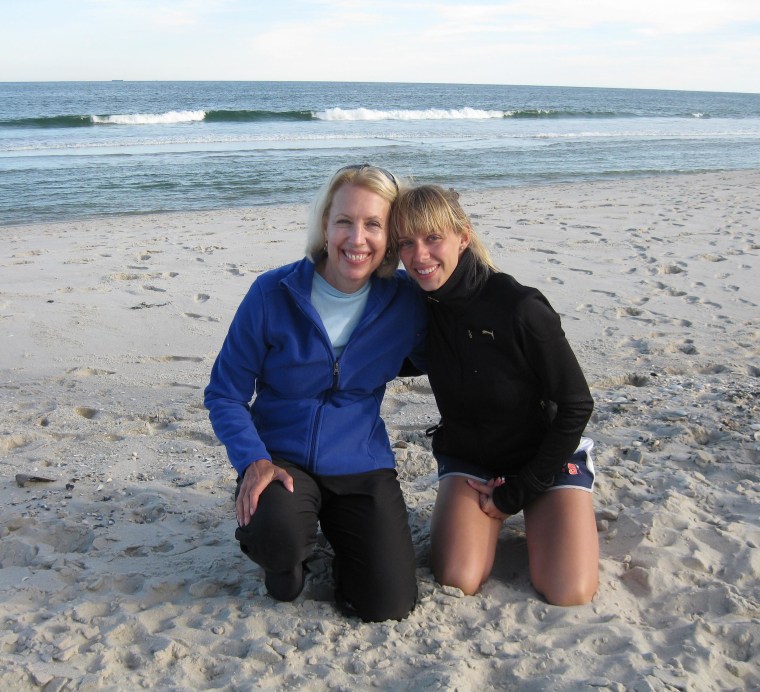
200, 297
632, 379
202, 318
676, 268
146, 508
686, 346
169, 359
628, 312
639, 345
86, 412
89, 372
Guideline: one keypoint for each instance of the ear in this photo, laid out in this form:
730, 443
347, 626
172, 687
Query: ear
324, 231
464, 239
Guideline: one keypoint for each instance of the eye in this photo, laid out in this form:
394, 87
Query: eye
405, 243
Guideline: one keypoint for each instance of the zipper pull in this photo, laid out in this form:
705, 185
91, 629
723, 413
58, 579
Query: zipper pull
336, 374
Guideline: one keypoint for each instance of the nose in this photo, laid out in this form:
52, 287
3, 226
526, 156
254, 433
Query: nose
420, 250
357, 233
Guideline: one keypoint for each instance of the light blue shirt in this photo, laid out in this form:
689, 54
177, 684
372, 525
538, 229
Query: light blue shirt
340, 312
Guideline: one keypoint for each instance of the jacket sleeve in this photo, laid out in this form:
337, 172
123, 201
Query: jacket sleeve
548, 353
415, 362
233, 381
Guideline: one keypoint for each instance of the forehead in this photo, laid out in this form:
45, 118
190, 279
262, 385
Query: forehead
423, 227
359, 198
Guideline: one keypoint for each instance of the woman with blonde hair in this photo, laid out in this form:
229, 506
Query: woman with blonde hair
513, 403
313, 345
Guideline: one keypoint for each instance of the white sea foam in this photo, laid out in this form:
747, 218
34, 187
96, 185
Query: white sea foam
150, 118
427, 114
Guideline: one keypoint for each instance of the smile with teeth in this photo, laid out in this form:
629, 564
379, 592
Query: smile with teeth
426, 272
355, 257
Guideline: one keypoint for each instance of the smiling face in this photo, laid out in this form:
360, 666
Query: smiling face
431, 257
356, 232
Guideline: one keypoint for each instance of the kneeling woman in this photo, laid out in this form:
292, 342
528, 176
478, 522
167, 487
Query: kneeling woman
313, 344
513, 403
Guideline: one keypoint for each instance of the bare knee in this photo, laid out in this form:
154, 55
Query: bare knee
568, 594
469, 581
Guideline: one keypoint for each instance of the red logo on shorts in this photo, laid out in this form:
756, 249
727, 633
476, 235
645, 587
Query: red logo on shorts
572, 469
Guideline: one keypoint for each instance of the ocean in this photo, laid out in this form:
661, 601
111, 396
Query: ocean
72, 150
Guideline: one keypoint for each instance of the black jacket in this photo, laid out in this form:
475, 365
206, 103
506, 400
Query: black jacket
511, 394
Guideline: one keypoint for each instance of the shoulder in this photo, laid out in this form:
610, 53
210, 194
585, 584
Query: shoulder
274, 276
401, 293
526, 304
504, 287
293, 274
405, 282
397, 284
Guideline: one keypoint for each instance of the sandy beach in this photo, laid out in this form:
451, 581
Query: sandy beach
118, 566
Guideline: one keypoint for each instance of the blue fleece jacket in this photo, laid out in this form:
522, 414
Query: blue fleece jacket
310, 408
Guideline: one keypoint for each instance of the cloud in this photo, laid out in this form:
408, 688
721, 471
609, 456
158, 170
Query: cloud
164, 14
651, 17
710, 44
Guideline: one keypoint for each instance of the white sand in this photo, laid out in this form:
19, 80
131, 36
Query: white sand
123, 573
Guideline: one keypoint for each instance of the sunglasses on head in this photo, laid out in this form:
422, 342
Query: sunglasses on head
363, 166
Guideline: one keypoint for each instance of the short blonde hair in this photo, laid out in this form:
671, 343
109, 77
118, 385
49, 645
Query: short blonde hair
372, 178
430, 208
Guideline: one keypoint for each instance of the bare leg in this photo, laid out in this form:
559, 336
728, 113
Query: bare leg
563, 546
463, 539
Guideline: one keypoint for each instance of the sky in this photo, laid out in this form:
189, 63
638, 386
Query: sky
703, 45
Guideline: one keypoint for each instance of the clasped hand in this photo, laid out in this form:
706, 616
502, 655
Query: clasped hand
485, 491
257, 477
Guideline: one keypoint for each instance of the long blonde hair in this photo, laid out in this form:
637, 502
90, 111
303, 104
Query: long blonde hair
430, 208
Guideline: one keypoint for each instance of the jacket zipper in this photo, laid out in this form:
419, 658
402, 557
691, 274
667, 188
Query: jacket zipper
311, 463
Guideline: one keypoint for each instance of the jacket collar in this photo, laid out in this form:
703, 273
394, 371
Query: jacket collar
465, 282
299, 278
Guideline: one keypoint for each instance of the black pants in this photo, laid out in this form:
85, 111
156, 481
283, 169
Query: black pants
364, 518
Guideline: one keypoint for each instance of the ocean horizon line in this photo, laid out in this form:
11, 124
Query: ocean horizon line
373, 82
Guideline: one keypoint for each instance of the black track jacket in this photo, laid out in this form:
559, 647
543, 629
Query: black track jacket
509, 389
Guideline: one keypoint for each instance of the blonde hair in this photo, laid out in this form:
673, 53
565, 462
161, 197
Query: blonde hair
372, 178
429, 208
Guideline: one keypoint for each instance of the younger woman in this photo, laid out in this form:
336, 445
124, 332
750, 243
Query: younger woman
513, 404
